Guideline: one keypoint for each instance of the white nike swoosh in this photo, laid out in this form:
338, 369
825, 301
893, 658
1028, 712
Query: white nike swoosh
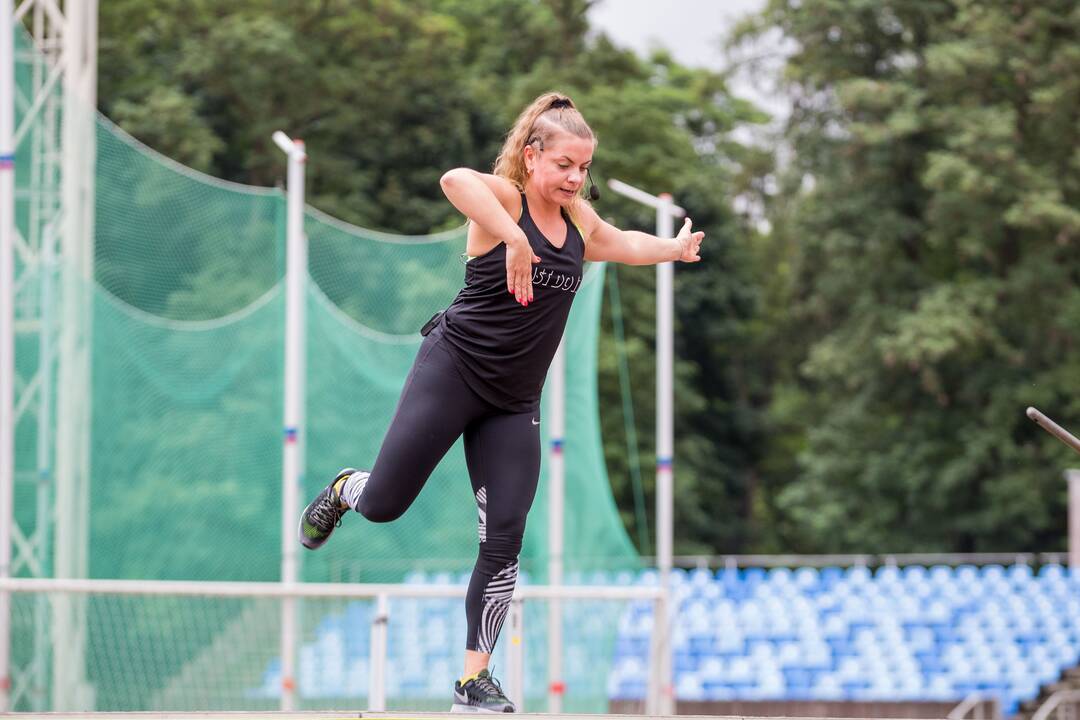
535, 421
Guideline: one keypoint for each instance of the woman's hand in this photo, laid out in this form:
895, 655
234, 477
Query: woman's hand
689, 243
519, 262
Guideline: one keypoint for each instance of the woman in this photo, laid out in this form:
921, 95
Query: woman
481, 367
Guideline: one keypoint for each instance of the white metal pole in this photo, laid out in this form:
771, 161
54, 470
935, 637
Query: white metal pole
556, 500
380, 626
666, 212
516, 652
71, 688
293, 436
7, 331
665, 445
665, 352
44, 461
1074, 519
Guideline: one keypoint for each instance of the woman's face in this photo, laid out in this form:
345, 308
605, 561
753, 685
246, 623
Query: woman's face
557, 172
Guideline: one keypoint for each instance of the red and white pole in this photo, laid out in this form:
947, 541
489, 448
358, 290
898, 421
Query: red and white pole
292, 455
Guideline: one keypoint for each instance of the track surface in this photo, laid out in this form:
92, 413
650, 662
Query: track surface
338, 715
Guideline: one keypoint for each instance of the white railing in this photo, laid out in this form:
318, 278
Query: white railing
863, 559
974, 707
1066, 703
381, 594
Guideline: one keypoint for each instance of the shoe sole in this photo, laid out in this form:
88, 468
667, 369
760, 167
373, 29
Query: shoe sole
473, 709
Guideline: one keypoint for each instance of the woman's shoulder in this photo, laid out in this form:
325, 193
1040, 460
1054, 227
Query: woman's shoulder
583, 217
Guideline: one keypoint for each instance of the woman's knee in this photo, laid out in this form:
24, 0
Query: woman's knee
503, 547
380, 512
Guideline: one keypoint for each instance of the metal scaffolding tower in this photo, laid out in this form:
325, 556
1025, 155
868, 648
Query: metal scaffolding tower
46, 274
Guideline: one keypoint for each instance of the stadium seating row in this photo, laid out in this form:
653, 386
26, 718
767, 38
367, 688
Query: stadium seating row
911, 633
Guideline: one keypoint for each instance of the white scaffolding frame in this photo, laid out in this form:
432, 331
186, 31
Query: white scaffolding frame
44, 276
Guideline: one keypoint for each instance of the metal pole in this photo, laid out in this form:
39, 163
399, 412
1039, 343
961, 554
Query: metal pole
44, 464
1054, 429
653, 692
666, 212
379, 626
1073, 477
293, 436
665, 444
7, 331
71, 688
516, 659
556, 500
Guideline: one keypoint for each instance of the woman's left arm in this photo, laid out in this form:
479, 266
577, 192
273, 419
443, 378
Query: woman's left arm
606, 242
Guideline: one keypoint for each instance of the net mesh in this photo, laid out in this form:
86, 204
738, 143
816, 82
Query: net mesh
186, 349
184, 653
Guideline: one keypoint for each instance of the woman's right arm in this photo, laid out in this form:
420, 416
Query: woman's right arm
487, 200
492, 203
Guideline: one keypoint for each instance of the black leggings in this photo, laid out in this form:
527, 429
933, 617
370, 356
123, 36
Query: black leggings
502, 451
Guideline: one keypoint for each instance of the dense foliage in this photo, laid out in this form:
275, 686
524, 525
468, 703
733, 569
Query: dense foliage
925, 275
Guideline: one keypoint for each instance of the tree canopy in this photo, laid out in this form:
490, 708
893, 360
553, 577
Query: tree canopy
926, 257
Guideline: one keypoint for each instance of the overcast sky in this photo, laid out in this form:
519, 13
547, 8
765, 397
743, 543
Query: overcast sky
691, 30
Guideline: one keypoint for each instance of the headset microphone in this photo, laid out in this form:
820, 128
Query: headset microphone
594, 192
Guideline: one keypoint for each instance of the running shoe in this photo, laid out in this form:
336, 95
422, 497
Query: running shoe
481, 694
324, 513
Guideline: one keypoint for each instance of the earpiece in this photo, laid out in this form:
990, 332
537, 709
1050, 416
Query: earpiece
594, 192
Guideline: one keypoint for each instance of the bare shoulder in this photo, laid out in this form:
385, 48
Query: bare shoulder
586, 218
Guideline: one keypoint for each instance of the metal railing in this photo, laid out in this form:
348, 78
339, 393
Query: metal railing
1063, 705
976, 707
381, 594
867, 560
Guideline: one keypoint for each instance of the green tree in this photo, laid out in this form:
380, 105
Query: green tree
924, 266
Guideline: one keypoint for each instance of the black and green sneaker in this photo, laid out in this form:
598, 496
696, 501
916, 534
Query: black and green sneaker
324, 513
481, 694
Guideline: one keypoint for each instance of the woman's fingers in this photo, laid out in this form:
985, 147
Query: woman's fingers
519, 262
514, 280
520, 285
693, 242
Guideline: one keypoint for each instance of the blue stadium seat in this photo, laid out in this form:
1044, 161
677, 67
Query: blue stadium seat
830, 576
689, 687
1052, 572
940, 575
914, 574
806, 579
859, 575
1020, 574
966, 575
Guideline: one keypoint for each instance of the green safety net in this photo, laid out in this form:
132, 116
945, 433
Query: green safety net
185, 329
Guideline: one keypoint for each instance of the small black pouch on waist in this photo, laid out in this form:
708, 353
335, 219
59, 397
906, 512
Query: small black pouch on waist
430, 324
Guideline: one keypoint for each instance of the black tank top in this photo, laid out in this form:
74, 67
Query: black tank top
501, 348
